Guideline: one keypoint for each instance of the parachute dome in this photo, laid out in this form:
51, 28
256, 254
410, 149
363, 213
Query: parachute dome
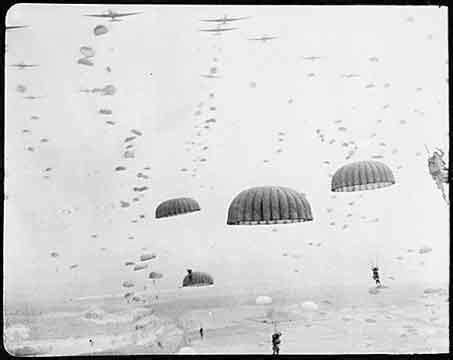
263, 300
309, 306
197, 279
140, 267
155, 275
100, 30
87, 51
85, 61
362, 175
177, 206
128, 284
269, 205
146, 257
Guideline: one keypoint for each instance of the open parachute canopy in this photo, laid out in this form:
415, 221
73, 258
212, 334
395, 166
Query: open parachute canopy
176, 206
87, 51
146, 257
362, 175
155, 275
100, 30
140, 267
269, 205
128, 283
195, 278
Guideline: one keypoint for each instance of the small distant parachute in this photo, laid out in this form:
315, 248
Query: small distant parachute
128, 263
146, 257
21, 88
362, 175
263, 300
377, 156
140, 189
211, 120
108, 90
373, 59
120, 168
128, 284
332, 223
34, 117
155, 275
342, 128
54, 254
140, 267
369, 86
269, 205
87, 51
177, 206
128, 295
110, 122
253, 84
425, 249
136, 132
85, 61
309, 306
100, 30
129, 138
197, 279
129, 154
124, 204
105, 111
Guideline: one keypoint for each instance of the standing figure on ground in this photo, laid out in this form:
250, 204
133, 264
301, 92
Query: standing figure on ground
276, 343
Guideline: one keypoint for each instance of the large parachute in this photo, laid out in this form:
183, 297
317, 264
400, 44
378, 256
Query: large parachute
176, 206
194, 278
269, 205
362, 175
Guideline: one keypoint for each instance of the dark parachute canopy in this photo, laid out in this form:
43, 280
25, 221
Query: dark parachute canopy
269, 205
155, 275
362, 175
197, 279
176, 206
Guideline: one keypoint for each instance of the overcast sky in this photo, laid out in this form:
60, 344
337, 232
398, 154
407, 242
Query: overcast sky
156, 60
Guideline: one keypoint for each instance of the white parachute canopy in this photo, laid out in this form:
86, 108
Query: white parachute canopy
263, 300
309, 306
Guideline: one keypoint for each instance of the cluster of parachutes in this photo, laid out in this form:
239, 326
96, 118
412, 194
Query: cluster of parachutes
279, 205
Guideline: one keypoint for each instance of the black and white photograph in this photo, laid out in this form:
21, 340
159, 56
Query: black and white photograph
226, 179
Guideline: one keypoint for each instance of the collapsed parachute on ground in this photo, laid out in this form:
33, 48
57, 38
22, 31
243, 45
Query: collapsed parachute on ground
155, 275
100, 30
176, 206
146, 257
197, 279
269, 205
87, 51
128, 284
362, 175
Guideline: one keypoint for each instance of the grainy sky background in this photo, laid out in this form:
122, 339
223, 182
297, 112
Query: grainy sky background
408, 81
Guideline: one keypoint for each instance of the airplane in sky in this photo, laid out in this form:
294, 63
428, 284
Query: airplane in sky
114, 16
264, 38
210, 76
224, 20
218, 30
15, 27
23, 66
350, 75
31, 97
312, 57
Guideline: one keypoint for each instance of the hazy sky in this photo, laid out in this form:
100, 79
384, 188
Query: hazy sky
82, 195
